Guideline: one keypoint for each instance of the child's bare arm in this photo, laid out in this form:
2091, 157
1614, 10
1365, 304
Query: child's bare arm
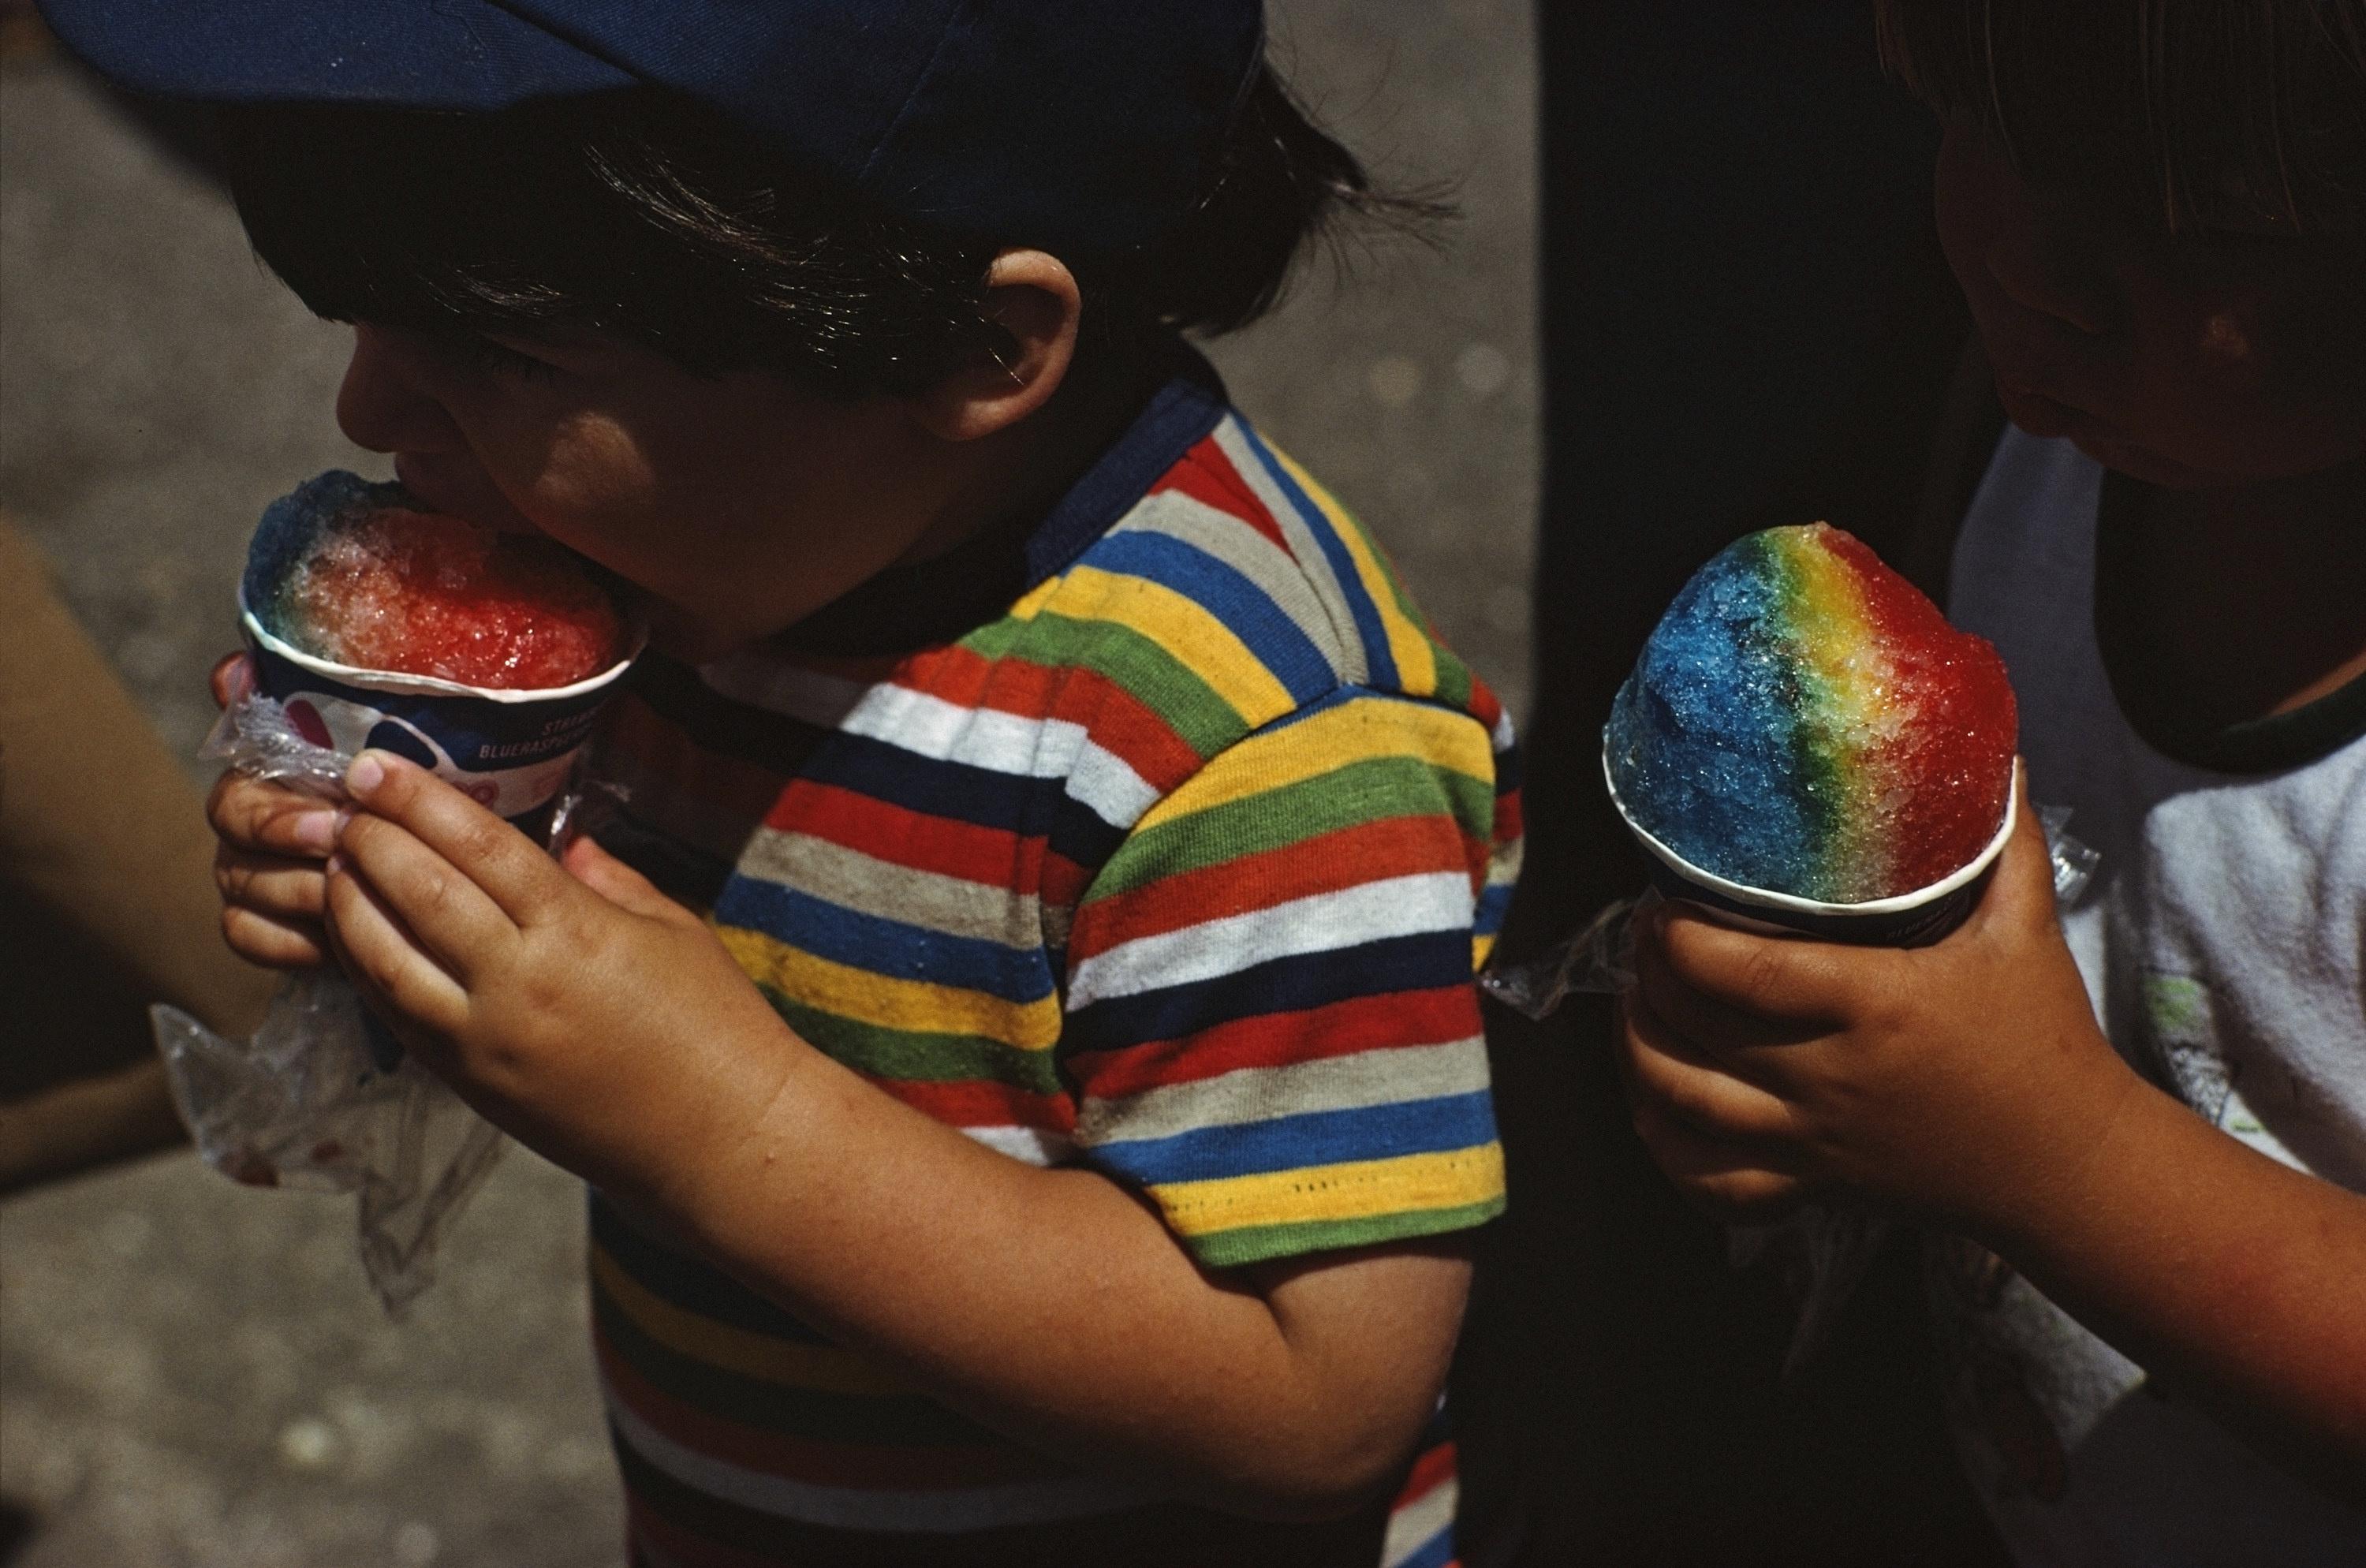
609, 1028
1968, 1082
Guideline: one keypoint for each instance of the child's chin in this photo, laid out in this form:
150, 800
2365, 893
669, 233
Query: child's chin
2048, 420
2040, 415
2145, 468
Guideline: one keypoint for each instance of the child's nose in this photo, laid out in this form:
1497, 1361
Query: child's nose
2044, 261
385, 405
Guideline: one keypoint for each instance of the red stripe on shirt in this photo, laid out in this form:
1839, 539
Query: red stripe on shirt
1433, 1470
852, 1466
1510, 820
1369, 852
918, 840
1337, 1029
1206, 475
1119, 722
980, 1102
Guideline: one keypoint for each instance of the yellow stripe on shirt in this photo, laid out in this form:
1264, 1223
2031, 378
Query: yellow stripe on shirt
1185, 629
889, 1002
823, 1367
1355, 1191
1409, 644
1031, 602
1352, 732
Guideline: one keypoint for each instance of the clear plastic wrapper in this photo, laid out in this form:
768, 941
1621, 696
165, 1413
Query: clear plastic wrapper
2074, 862
1823, 1252
306, 1103
1598, 957
322, 1097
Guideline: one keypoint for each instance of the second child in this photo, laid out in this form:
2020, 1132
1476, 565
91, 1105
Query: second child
2139, 1120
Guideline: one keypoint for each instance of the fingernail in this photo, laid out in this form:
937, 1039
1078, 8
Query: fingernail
366, 773
315, 830
334, 864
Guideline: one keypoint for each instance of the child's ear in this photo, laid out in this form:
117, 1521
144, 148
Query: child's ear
1033, 308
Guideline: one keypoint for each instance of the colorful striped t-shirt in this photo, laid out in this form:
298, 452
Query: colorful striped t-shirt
1175, 861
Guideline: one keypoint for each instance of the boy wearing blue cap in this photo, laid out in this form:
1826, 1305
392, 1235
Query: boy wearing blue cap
1051, 1136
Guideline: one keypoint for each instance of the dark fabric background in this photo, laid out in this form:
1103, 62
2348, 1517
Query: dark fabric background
1747, 323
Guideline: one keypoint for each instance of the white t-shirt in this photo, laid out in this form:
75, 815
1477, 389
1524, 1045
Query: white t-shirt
2224, 944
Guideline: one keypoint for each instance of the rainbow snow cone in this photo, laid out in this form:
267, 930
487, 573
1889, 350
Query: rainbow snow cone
483, 657
1807, 743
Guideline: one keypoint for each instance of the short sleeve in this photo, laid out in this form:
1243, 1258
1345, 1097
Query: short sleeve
1271, 1019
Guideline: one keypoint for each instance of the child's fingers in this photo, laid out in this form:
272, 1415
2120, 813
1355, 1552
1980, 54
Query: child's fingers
385, 958
1710, 1022
429, 1044
1785, 982
1668, 1071
281, 885
273, 941
449, 916
233, 677
271, 818
489, 854
1727, 1180
620, 883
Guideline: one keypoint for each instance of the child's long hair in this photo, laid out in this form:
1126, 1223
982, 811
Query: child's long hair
2194, 115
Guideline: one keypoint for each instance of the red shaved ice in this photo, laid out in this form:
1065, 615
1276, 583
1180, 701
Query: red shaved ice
421, 594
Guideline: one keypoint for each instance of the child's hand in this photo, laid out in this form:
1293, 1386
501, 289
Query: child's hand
268, 863
1960, 1080
1968, 1082
587, 1013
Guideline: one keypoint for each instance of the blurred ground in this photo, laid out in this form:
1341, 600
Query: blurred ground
193, 1374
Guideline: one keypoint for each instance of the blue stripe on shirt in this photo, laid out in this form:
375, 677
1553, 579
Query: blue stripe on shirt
1424, 960
1247, 610
1308, 1138
889, 948
1378, 657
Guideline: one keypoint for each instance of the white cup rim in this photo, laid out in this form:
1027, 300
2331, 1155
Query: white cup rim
398, 683
1762, 898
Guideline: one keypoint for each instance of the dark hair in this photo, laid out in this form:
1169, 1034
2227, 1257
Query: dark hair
645, 213
2200, 114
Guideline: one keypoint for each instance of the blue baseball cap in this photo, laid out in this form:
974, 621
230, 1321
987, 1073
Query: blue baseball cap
1089, 123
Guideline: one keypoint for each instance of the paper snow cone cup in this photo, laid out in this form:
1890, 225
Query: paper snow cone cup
1908, 920
508, 751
